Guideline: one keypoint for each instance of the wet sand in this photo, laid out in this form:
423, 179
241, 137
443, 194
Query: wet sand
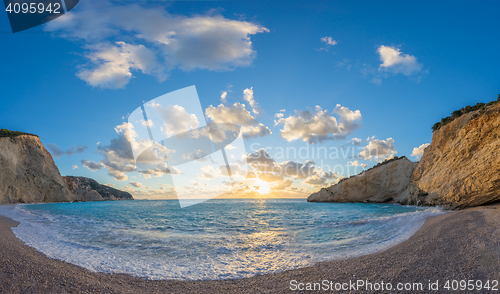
461, 245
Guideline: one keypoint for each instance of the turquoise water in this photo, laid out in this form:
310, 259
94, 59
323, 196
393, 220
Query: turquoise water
218, 239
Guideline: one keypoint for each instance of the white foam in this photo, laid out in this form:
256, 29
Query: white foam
49, 234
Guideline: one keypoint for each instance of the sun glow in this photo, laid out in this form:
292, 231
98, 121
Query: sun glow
261, 186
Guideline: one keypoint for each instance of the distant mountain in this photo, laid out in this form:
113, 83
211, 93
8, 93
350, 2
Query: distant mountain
87, 189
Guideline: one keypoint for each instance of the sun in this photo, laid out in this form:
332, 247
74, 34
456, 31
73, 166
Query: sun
261, 186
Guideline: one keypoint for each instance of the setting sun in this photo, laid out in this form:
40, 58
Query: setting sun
261, 186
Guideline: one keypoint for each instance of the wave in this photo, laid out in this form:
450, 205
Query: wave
220, 240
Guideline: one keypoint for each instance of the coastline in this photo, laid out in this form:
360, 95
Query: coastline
460, 245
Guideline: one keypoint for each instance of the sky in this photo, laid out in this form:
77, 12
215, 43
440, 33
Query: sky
350, 77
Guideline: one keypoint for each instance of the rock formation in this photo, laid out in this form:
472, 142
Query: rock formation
461, 168
386, 183
86, 189
28, 173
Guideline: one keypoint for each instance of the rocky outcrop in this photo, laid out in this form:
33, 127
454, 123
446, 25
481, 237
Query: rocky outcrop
386, 183
460, 169
28, 173
86, 189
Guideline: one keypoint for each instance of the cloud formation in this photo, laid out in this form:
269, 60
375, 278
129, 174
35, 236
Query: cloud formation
136, 184
396, 62
91, 165
378, 150
151, 40
237, 114
248, 96
113, 65
319, 125
357, 163
329, 41
282, 174
119, 158
57, 152
419, 151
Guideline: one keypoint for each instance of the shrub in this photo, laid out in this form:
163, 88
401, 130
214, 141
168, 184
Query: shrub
457, 113
12, 134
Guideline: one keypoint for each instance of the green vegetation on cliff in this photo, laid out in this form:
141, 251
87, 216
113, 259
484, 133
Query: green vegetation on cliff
12, 134
457, 113
394, 158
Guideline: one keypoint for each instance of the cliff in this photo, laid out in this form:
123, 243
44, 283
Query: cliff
86, 189
460, 169
28, 172
386, 183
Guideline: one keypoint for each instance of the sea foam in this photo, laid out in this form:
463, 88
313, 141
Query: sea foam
219, 239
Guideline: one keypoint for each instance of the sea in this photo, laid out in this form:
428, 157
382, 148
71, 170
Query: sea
217, 239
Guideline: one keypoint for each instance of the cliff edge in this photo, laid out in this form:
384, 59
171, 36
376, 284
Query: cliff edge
386, 183
460, 169
28, 173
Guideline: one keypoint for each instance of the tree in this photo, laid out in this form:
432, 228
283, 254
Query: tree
456, 113
436, 126
498, 99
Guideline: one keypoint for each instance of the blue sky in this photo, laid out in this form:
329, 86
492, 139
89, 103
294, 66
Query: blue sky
403, 64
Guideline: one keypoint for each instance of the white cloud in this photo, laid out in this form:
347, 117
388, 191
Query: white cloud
223, 97
356, 141
260, 160
395, 61
118, 156
320, 125
210, 41
329, 41
74, 166
259, 130
208, 173
91, 165
419, 151
378, 150
357, 163
248, 96
113, 65
148, 123
267, 169
176, 119
321, 179
296, 169
238, 115
159, 171
136, 184
57, 152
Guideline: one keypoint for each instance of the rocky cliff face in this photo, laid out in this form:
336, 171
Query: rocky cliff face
460, 169
387, 183
86, 189
28, 173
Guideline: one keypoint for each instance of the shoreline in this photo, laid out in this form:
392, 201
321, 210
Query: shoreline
460, 245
